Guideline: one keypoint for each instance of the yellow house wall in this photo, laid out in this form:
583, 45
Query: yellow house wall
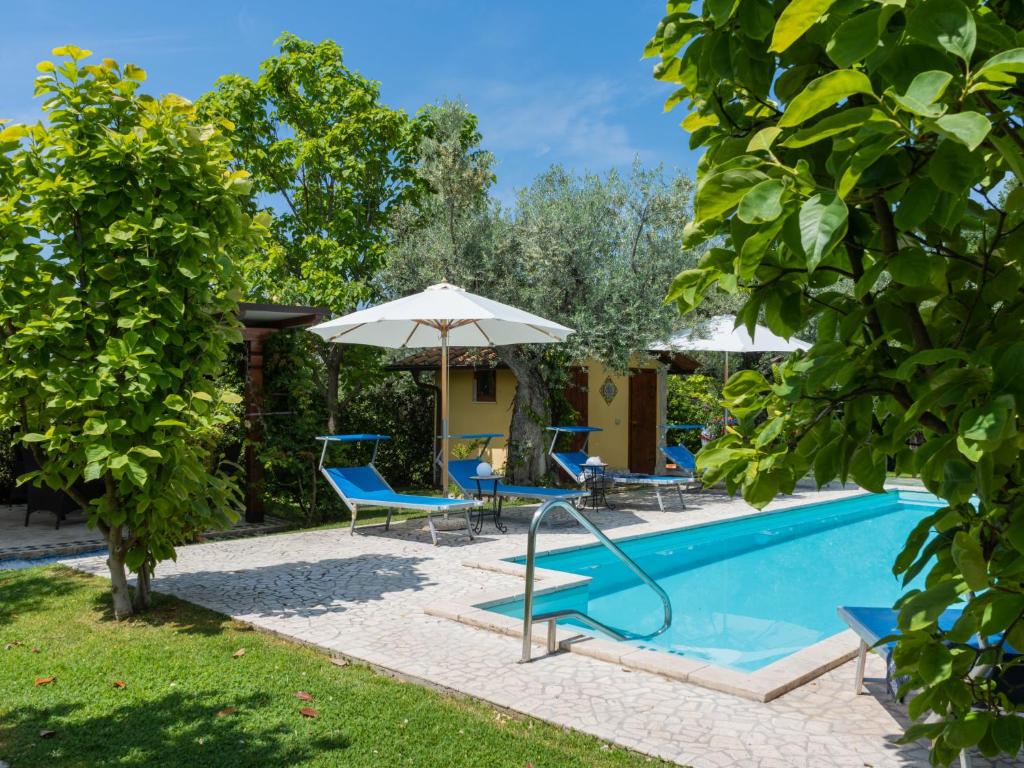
468, 417
611, 444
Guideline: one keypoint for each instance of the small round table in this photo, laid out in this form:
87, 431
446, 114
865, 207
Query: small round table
495, 510
594, 481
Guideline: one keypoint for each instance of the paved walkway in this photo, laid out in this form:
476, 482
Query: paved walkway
41, 537
364, 596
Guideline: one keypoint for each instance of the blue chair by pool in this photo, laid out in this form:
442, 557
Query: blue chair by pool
462, 470
680, 455
872, 625
573, 462
363, 486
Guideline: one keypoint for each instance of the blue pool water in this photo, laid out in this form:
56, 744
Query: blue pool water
746, 592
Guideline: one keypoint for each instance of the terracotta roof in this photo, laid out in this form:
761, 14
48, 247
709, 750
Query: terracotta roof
458, 357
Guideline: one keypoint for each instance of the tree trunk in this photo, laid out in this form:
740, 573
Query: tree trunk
143, 594
118, 574
333, 362
531, 413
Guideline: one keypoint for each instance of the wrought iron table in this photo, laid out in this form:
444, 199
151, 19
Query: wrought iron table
595, 481
495, 510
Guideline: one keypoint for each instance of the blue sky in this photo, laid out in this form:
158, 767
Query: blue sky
552, 81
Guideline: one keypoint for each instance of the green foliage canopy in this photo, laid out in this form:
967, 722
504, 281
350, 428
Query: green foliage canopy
853, 154
331, 163
329, 159
120, 222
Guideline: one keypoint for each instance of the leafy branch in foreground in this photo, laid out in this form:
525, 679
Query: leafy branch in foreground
859, 178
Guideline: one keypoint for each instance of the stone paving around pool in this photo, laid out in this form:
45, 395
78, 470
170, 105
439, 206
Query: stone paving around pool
365, 597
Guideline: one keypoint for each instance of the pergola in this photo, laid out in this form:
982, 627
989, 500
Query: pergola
260, 321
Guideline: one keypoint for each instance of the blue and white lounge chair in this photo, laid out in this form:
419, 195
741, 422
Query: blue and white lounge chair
680, 455
461, 470
572, 462
364, 486
874, 624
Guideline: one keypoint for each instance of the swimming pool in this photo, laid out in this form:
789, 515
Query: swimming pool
745, 592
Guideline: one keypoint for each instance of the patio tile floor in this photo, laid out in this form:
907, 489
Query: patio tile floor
365, 597
41, 538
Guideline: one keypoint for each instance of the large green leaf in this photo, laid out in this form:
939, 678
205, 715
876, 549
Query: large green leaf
855, 38
1007, 732
916, 204
968, 730
822, 220
1006, 61
990, 422
946, 24
935, 664
796, 19
969, 559
924, 608
927, 87
954, 168
912, 266
862, 159
969, 128
868, 469
763, 203
839, 123
720, 10
824, 92
720, 192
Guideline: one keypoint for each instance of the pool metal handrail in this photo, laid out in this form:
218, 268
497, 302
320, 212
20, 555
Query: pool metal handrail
551, 617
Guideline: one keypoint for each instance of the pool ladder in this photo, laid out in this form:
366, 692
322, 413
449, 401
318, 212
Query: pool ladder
552, 617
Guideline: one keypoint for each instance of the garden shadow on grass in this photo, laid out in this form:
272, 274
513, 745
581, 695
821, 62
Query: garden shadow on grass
173, 730
172, 613
23, 592
299, 588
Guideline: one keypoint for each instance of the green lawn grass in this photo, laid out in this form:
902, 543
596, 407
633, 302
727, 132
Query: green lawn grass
179, 670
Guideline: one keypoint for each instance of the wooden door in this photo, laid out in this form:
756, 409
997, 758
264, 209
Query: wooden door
577, 393
643, 429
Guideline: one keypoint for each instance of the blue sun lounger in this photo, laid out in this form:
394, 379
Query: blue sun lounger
462, 470
873, 624
680, 455
364, 486
572, 462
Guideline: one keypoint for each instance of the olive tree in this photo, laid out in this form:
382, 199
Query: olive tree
590, 252
120, 223
853, 158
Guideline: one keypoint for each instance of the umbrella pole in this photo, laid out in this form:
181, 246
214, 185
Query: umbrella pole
444, 410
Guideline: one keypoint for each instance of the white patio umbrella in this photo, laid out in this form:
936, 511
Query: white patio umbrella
441, 316
720, 334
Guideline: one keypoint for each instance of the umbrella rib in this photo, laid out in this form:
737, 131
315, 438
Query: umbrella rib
483, 333
348, 330
541, 330
414, 327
